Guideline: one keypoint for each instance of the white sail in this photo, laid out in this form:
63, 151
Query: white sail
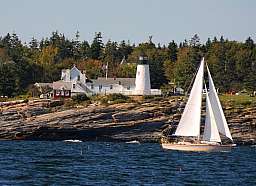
217, 109
189, 124
211, 132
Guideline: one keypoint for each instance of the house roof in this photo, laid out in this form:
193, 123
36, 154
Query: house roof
44, 84
111, 81
59, 85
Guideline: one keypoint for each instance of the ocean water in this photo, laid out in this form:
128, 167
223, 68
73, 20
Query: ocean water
106, 163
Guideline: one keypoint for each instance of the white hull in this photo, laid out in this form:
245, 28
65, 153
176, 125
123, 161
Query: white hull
197, 147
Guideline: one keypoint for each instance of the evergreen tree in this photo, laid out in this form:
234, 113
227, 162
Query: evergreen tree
96, 47
33, 44
8, 79
84, 49
125, 49
173, 50
249, 43
215, 40
208, 43
195, 41
222, 39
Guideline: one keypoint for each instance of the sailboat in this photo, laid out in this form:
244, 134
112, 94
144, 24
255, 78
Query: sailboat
189, 125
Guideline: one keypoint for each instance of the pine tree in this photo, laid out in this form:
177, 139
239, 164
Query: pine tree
208, 43
84, 49
33, 44
195, 41
173, 50
222, 39
96, 47
249, 43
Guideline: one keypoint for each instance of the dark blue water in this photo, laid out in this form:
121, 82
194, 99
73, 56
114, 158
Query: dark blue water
102, 163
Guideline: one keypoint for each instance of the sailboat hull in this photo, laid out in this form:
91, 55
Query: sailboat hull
197, 147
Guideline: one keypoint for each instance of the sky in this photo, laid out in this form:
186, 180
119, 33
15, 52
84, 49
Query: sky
133, 20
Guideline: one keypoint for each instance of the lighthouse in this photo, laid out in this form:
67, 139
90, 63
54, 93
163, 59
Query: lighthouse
142, 82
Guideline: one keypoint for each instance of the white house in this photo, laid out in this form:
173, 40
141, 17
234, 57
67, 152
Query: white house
102, 85
44, 89
73, 82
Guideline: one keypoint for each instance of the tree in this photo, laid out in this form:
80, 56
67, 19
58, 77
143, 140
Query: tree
84, 50
127, 70
96, 47
183, 69
222, 39
208, 43
8, 79
33, 44
92, 68
195, 41
169, 70
173, 50
249, 43
125, 49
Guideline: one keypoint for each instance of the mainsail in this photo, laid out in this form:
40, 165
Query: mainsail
211, 132
217, 109
189, 124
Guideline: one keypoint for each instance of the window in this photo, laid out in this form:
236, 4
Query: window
119, 82
92, 86
111, 86
57, 92
66, 93
74, 86
128, 88
78, 78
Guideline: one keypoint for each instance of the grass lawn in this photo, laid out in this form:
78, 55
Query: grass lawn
238, 100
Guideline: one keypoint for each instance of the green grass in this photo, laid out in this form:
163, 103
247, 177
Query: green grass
238, 100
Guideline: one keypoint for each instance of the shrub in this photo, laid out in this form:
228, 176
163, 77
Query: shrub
148, 97
80, 98
111, 99
56, 103
114, 97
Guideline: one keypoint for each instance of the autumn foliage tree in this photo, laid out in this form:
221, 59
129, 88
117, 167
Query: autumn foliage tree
232, 63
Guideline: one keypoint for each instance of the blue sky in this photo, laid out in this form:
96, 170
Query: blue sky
132, 20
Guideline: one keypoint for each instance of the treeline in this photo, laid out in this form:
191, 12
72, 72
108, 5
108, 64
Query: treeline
233, 64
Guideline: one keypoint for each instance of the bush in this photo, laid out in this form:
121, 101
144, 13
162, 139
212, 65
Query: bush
69, 103
3, 99
80, 98
56, 103
119, 101
111, 99
114, 97
149, 97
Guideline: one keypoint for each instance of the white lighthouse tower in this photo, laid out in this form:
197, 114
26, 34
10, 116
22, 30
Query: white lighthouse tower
142, 82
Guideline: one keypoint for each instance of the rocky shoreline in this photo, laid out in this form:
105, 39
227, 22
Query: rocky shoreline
143, 120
